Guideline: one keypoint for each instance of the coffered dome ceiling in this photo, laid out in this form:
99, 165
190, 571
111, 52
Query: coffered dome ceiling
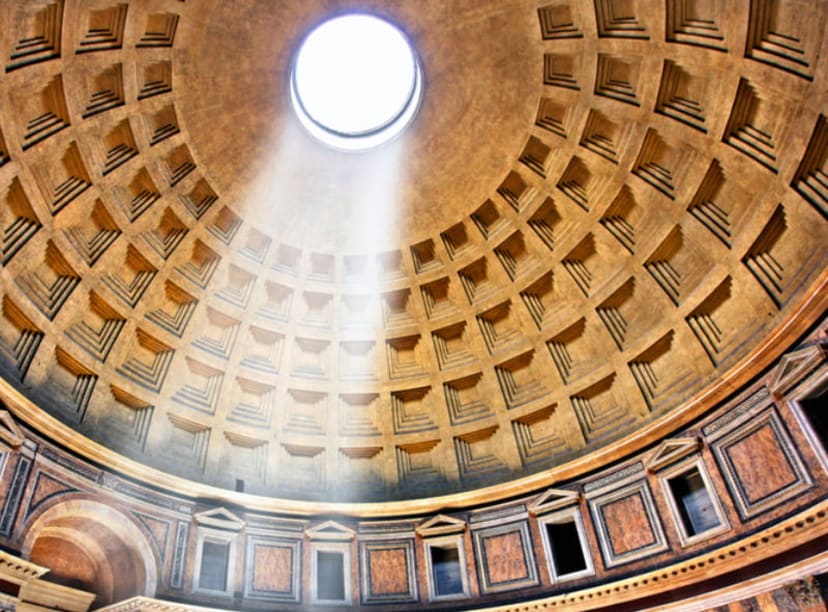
604, 218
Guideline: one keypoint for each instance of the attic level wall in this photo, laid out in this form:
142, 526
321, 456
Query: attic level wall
744, 490
661, 224
663, 213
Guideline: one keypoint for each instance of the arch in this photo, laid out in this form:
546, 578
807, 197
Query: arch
95, 547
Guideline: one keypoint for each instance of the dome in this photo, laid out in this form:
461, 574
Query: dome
601, 224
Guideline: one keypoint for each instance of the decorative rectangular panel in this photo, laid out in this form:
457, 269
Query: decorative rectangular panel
358, 414
694, 23
104, 29
388, 571
63, 182
273, 569
424, 256
19, 337
41, 33
159, 30
809, 180
412, 410
104, 90
556, 22
11, 504
757, 457
420, 462
536, 436
786, 35
627, 524
131, 417
757, 124
179, 555
479, 453
504, 557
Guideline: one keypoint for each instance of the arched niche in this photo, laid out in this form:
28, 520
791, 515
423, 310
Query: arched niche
94, 547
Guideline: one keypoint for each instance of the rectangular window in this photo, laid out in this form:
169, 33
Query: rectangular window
808, 405
331, 573
215, 557
692, 499
814, 410
693, 502
446, 567
330, 576
565, 544
447, 574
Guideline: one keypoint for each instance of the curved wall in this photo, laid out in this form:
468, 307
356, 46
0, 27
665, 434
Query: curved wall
584, 311
759, 458
654, 238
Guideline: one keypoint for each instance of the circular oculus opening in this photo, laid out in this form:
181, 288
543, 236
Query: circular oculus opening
356, 82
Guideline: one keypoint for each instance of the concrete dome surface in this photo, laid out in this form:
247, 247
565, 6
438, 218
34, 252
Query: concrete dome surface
605, 221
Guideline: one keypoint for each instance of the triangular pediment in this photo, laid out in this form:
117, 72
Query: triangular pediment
671, 450
10, 432
793, 367
330, 530
553, 499
440, 525
220, 518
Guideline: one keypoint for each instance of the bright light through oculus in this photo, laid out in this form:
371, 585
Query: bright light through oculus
356, 82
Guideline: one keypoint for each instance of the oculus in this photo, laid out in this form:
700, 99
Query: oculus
355, 82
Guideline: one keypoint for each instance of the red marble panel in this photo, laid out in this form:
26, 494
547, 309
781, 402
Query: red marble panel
760, 464
627, 524
505, 558
158, 529
45, 487
389, 571
273, 568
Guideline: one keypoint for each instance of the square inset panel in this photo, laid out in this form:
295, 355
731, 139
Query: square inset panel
760, 463
420, 462
301, 467
358, 414
505, 559
388, 572
627, 523
275, 574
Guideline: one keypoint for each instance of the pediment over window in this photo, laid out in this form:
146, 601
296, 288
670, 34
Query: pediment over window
440, 525
330, 530
671, 450
220, 518
553, 499
793, 367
